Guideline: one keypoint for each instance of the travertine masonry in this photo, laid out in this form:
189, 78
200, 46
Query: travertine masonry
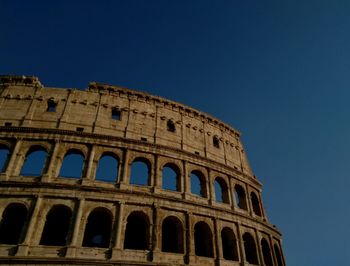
222, 222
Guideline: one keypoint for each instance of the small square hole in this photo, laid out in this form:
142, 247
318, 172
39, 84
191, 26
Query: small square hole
51, 106
216, 142
80, 129
171, 126
116, 114
196, 152
143, 139
8, 124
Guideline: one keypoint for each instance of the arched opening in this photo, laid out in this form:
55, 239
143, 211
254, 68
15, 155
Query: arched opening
34, 162
171, 177
73, 164
240, 197
198, 184
12, 223
56, 227
250, 249
203, 240
137, 231
229, 244
139, 172
255, 204
107, 169
171, 126
278, 255
98, 229
172, 235
221, 191
266, 252
216, 142
4, 157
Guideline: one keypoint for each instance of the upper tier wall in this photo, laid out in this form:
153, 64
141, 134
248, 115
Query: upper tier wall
24, 102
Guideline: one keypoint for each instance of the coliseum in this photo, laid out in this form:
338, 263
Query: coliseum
113, 176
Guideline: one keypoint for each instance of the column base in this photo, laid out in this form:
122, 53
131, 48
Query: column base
4, 177
116, 254
45, 179
186, 195
156, 256
190, 259
22, 250
86, 182
123, 186
71, 252
157, 190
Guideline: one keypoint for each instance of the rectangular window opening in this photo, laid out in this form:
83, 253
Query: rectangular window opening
80, 129
196, 152
51, 106
116, 114
216, 142
8, 124
143, 139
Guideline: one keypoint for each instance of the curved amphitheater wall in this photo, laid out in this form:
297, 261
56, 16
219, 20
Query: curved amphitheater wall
211, 215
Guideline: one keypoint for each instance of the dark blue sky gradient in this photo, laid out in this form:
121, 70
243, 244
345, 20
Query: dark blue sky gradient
278, 71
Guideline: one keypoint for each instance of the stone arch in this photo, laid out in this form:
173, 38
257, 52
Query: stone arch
57, 225
198, 184
140, 170
229, 244
12, 223
278, 255
172, 235
4, 157
203, 240
171, 177
255, 204
137, 231
221, 190
35, 161
251, 255
98, 228
265, 247
241, 200
107, 168
73, 164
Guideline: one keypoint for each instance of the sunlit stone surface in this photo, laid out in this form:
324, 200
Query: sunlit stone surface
112, 176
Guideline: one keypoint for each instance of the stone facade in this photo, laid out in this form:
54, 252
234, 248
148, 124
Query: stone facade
88, 220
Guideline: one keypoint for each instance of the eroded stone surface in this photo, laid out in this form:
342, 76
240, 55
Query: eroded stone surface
129, 125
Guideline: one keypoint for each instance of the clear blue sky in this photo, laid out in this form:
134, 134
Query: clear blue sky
278, 71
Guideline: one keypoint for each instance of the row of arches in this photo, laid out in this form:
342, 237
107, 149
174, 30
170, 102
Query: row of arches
99, 226
107, 170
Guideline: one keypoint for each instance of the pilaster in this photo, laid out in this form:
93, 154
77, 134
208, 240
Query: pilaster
77, 232
52, 163
23, 248
88, 177
13, 162
117, 249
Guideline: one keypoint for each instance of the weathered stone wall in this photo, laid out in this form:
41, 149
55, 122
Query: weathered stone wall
82, 120
142, 116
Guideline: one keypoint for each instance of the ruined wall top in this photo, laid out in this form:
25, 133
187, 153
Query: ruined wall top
117, 90
120, 112
109, 89
20, 80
